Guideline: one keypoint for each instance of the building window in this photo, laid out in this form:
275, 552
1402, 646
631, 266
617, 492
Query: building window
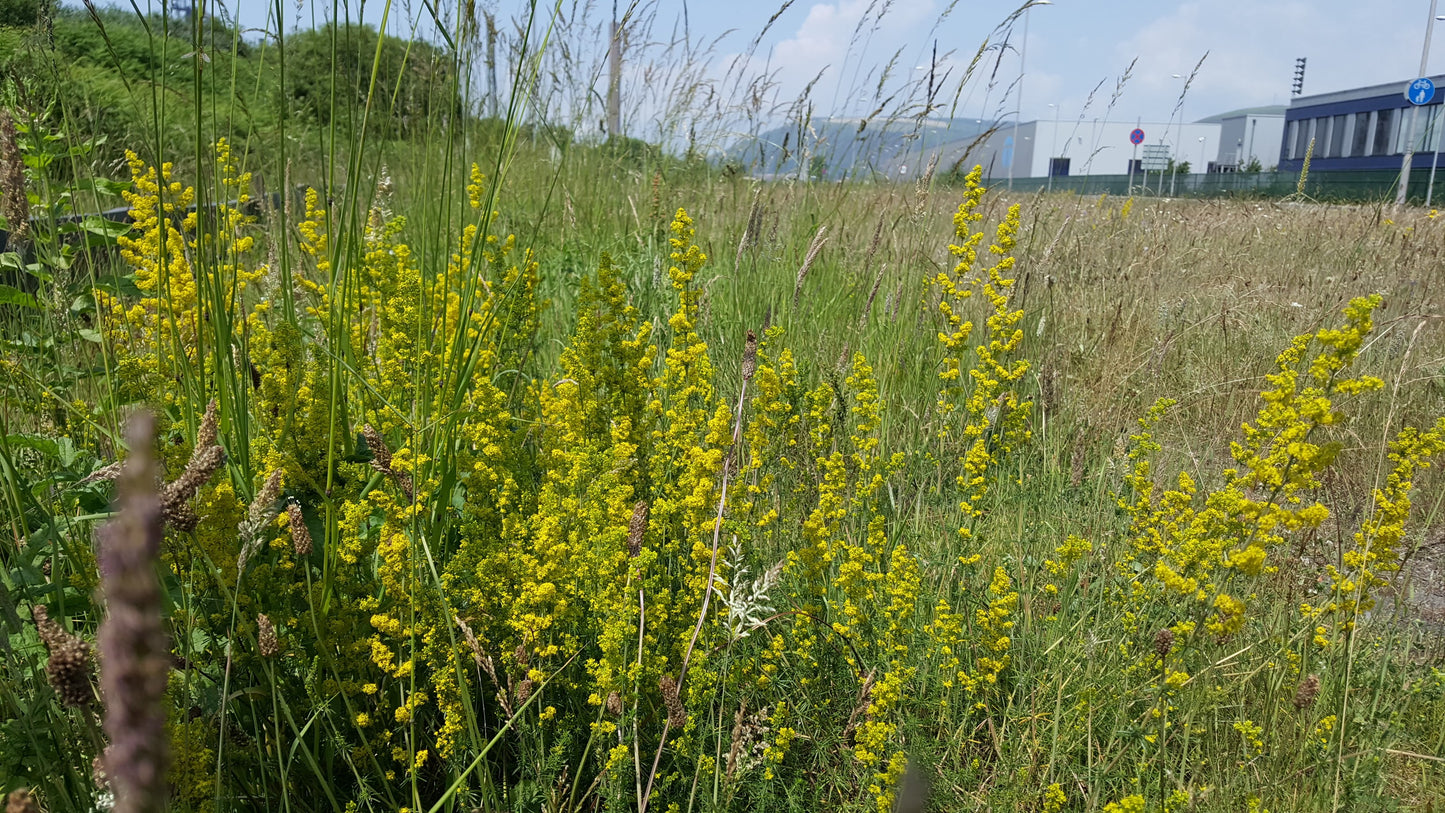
1360, 143
1384, 130
1302, 139
1432, 129
1337, 137
1322, 136
1290, 134
1058, 167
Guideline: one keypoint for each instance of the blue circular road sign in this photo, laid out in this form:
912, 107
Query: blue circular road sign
1137, 137
1420, 91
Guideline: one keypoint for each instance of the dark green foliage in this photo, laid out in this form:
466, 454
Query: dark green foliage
331, 70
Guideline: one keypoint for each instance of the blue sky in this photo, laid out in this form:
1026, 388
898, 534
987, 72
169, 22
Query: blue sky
1072, 47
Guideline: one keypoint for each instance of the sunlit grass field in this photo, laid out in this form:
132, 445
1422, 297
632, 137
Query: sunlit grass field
394, 458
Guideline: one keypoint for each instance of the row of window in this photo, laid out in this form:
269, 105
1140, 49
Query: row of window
1373, 132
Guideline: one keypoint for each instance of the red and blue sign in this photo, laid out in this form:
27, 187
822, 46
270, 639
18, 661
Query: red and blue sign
1136, 137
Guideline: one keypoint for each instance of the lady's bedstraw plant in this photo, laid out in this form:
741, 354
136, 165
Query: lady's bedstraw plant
1194, 547
980, 410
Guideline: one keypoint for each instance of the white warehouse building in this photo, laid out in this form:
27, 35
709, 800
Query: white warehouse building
1061, 148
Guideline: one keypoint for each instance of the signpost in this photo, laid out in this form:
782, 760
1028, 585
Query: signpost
1156, 159
1136, 138
1418, 92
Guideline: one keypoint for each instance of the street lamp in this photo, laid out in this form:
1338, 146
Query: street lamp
1053, 146
1415, 112
1018, 111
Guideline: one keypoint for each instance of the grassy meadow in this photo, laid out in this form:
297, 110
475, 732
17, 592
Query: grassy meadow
389, 458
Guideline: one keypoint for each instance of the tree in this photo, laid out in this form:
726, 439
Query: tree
20, 13
416, 84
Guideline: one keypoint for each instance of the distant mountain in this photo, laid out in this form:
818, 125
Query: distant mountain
835, 148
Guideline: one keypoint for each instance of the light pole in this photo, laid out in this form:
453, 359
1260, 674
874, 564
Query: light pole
1053, 146
1202, 142
1415, 113
1433, 139
1019, 108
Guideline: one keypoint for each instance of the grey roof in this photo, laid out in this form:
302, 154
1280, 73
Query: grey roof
1266, 110
1392, 88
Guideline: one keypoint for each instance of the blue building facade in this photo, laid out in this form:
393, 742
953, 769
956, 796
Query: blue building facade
1360, 129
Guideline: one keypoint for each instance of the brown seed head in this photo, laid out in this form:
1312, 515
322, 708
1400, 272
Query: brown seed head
135, 655
524, 690
21, 800
1163, 642
176, 495
1309, 689
750, 356
268, 495
105, 473
380, 455
14, 205
267, 642
70, 669
614, 704
206, 434
300, 534
672, 698
637, 528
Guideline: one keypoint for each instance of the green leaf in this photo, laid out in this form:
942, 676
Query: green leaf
110, 187
10, 295
109, 229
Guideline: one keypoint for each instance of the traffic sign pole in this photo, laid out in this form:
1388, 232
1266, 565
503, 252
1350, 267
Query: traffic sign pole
1136, 138
1426, 91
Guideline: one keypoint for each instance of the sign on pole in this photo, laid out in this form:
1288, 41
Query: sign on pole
1156, 157
1420, 91
1137, 137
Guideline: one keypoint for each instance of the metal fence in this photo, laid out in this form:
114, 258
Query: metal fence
1353, 186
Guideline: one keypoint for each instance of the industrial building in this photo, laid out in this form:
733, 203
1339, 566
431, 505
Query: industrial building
1359, 129
1248, 137
1061, 148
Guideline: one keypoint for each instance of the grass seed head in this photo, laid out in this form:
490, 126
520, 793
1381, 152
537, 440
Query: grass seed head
380, 454
21, 800
636, 529
135, 654
300, 535
69, 669
206, 433
1163, 642
1309, 689
266, 639
672, 698
14, 204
